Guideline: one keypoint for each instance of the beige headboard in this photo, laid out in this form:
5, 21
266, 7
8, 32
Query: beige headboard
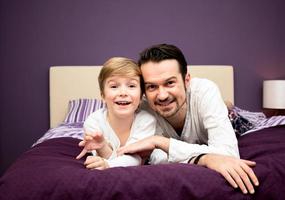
74, 82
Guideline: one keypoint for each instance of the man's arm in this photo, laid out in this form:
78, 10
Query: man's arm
236, 171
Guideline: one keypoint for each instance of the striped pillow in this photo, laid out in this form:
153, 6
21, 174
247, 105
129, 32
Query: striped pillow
79, 109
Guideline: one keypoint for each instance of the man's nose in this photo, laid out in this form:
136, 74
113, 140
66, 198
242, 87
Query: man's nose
162, 94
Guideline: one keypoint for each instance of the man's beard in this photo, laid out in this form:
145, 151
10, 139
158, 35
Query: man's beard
165, 114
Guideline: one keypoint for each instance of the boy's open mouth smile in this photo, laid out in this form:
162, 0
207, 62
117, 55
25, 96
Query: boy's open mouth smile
123, 103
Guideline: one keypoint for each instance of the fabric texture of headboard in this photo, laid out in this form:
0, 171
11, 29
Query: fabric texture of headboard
74, 82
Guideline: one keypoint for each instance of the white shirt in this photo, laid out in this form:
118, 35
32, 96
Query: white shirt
144, 125
207, 128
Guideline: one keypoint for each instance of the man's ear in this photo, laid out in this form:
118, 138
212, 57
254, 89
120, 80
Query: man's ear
187, 79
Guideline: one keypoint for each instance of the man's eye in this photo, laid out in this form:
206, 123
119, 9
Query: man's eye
151, 87
170, 83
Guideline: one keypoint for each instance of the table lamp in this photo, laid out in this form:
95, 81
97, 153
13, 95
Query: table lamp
274, 97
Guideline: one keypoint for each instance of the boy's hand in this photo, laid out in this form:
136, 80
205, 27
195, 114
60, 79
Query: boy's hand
96, 162
90, 142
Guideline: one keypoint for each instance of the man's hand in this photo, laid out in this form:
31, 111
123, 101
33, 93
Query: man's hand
96, 162
142, 147
237, 172
91, 141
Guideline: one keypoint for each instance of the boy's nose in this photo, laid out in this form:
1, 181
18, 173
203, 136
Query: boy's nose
123, 91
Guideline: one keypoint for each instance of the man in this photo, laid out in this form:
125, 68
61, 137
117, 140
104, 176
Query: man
192, 116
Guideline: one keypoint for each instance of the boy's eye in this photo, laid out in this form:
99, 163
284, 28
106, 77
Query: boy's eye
113, 86
132, 85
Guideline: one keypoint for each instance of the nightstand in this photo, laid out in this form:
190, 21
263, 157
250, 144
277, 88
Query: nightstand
273, 112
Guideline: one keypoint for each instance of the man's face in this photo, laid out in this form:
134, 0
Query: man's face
164, 87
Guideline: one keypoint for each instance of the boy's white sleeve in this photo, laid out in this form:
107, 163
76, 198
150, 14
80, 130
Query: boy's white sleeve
125, 161
90, 124
158, 157
143, 126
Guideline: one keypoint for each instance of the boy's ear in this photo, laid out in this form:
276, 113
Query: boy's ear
102, 95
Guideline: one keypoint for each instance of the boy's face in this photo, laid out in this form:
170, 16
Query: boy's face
122, 95
164, 87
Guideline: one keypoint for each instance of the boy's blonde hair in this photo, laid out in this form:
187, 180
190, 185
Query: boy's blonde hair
118, 66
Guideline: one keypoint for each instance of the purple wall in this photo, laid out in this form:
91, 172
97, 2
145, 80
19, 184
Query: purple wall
38, 34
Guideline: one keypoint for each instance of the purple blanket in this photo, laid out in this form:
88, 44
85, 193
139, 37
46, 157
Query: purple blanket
50, 171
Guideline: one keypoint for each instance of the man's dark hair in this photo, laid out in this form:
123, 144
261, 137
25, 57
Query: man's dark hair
162, 52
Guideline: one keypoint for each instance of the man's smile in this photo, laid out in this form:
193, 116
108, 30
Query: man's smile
164, 103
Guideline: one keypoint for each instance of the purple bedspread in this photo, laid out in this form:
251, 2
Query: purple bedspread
50, 171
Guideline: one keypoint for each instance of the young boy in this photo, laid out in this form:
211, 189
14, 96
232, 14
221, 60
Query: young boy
121, 122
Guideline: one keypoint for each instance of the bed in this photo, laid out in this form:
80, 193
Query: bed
49, 170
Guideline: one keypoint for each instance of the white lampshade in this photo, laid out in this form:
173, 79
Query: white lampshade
274, 94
